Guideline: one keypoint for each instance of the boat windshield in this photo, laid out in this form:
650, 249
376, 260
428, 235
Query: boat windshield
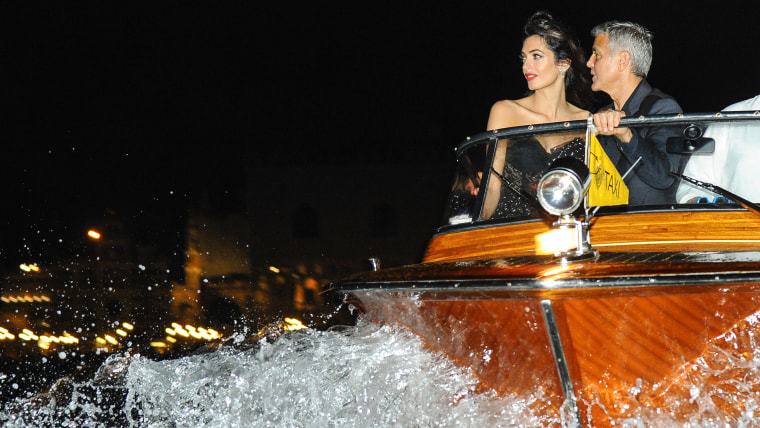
498, 172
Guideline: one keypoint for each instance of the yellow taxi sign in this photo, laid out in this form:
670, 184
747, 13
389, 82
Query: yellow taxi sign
607, 187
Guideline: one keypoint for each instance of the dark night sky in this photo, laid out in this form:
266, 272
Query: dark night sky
136, 106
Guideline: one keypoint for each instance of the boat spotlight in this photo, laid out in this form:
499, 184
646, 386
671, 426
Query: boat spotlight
561, 189
560, 192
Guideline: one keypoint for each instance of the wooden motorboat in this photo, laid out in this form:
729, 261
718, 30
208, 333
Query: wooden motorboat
649, 309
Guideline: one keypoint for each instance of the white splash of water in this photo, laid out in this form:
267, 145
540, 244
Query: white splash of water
358, 376
365, 375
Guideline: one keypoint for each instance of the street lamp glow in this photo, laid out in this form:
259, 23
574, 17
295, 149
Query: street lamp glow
94, 234
29, 267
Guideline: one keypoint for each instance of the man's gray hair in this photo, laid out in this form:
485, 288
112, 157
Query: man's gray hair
631, 37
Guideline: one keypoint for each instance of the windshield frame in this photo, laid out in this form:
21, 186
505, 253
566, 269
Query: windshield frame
492, 137
577, 125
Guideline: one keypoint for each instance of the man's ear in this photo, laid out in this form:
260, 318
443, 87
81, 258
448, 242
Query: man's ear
623, 59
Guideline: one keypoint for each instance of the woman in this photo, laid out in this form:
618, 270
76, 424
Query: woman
559, 90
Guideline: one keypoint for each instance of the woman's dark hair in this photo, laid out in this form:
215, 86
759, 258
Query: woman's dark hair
564, 46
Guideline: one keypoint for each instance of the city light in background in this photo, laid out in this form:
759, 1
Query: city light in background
29, 267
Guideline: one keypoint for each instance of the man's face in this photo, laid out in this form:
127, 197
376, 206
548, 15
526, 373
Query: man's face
602, 64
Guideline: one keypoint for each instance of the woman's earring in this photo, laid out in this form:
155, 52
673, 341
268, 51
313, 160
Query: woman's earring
562, 71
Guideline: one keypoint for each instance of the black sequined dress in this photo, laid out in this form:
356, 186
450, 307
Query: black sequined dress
526, 161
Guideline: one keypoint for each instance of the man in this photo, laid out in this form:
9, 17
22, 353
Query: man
619, 63
734, 163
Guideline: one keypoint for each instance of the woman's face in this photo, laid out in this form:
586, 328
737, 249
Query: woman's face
539, 65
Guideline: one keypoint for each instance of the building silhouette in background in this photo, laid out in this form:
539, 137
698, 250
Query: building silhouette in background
300, 227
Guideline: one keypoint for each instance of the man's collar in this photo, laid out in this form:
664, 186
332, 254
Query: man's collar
637, 96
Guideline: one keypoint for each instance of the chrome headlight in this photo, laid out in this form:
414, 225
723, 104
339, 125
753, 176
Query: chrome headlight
561, 190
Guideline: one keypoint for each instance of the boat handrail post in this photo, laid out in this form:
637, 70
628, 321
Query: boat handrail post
583, 249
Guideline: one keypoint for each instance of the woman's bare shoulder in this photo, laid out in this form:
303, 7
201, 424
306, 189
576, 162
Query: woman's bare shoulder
506, 113
505, 105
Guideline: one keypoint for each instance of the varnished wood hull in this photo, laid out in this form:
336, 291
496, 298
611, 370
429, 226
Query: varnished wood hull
613, 346
635, 328
706, 230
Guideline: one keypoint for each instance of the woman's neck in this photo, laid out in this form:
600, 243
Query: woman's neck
551, 103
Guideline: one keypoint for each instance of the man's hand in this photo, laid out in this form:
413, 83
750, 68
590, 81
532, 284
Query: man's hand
607, 122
